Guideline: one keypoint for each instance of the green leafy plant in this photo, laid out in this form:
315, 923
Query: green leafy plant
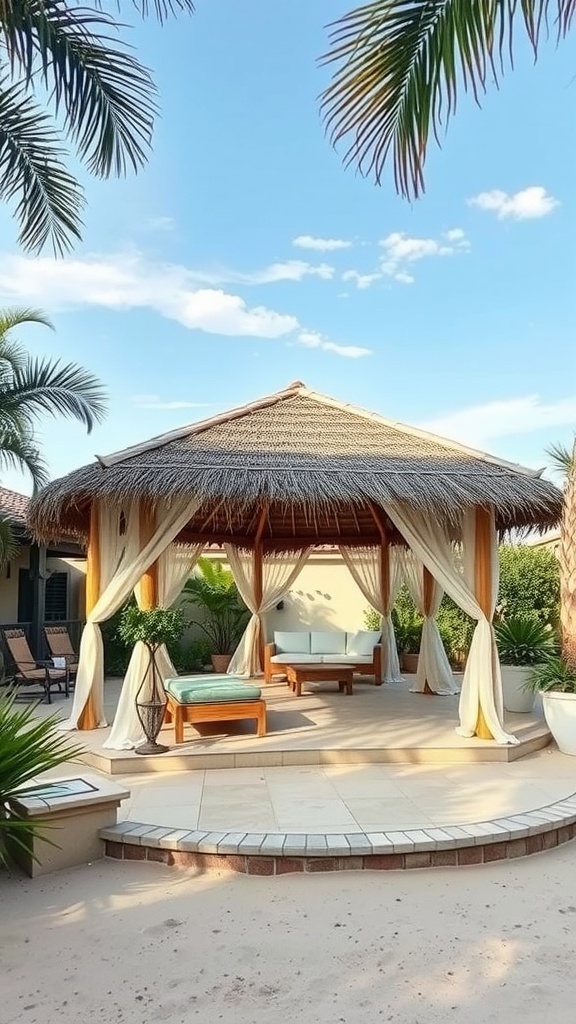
529, 582
224, 615
372, 619
29, 746
153, 626
553, 674
524, 640
192, 656
456, 630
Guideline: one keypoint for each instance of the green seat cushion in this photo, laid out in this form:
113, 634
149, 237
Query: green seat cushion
211, 691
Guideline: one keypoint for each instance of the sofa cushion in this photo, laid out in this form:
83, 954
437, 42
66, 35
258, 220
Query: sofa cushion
292, 643
363, 642
346, 659
193, 691
295, 659
329, 642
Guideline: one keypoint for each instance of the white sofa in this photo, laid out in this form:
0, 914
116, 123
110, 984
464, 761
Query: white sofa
361, 650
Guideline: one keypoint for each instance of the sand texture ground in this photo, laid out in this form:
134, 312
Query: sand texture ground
140, 943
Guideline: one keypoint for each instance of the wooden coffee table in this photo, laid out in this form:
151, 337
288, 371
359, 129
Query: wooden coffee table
319, 673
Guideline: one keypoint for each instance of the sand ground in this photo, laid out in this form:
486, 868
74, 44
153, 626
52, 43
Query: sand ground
140, 943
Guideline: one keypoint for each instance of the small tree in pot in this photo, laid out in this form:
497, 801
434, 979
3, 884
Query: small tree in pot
152, 627
523, 642
224, 615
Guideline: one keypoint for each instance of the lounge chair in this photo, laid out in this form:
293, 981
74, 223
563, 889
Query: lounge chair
28, 671
60, 646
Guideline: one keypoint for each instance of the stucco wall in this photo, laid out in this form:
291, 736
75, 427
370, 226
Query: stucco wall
76, 569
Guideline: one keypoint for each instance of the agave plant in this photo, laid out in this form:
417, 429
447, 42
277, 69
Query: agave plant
28, 747
524, 640
553, 674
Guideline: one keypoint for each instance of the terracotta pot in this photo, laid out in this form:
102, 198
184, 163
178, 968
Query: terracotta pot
410, 663
220, 662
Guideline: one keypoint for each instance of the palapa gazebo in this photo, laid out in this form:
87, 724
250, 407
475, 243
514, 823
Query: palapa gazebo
271, 480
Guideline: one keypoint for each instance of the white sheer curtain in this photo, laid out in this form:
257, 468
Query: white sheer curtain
117, 540
482, 683
365, 567
279, 571
116, 584
175, 565
433, 665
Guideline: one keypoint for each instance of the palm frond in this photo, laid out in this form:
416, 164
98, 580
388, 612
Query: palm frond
400, 65
48, 386
12, 355
161, 9
47, 197
8, 544
30, 746
106, 94
18, 450
562, 458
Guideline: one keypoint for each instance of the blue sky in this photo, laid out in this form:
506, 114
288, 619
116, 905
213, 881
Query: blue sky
216, 276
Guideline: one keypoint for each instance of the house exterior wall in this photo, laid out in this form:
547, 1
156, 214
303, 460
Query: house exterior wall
9, 580
324, 597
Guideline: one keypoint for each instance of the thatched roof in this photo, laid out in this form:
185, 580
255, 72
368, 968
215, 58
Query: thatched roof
318, 467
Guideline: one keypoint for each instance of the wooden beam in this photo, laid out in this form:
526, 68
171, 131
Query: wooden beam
428, 588
149, 580
38, 576
258, 581
87, 718
483, 588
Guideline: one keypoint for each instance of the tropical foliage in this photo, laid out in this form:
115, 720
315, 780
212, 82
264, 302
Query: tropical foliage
30, 388
63, 78
224, 617
399, 66
553, 674
28, 747
524, 640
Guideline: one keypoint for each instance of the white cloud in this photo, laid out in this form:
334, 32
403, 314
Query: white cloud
528, 204
360, 280
155, 402
313, 339
478, 425
128, 281
159, 224
399, 251
290, 270
320, 244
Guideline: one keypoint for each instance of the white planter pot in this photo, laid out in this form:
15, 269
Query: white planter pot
516, 698
560, 715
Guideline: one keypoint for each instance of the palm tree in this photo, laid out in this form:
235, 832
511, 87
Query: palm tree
401, 63
96, 95
30, 388
564, 462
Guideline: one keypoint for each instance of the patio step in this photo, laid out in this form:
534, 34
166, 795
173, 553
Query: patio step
280, 853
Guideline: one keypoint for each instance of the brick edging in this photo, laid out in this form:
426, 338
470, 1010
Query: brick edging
462, 856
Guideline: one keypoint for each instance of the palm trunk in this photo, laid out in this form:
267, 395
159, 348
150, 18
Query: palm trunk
568, 568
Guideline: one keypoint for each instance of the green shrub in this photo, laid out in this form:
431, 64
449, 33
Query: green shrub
372, 619
192, 656
150, 626
529, 582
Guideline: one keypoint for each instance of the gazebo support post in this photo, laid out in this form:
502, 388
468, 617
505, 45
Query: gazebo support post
428, 589
384, 564
149, 580
483, 588
87, 718
258, 579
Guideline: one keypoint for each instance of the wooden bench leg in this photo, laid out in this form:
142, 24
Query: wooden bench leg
261, 720
179, 724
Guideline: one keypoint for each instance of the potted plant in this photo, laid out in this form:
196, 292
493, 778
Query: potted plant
224, 615
555, 681
408, 631
523, 642
152, 627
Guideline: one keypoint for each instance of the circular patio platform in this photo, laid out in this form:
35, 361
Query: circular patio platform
274, 821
